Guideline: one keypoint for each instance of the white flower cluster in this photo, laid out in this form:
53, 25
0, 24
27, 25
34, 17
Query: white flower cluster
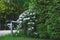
26, 16
30, 28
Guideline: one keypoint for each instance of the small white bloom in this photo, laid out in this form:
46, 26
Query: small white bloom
20, 21
30, 13
28, 18
35, 33
17, 31
24, 19
32, 23
29, 23
29, 28
33, 13
20, 18
32, 27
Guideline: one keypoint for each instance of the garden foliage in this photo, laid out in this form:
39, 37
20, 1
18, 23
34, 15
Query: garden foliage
48, 12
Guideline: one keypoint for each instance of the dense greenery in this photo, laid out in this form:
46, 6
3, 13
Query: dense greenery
8, 37
10, 10
48, 14
49, 18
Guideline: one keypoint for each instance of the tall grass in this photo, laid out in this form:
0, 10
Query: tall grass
8, 37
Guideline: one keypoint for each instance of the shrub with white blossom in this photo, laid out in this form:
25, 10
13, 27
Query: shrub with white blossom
27, 23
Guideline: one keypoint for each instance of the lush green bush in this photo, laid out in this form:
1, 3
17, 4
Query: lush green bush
8, 37
49, 17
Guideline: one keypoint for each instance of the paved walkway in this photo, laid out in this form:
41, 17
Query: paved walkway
4, 32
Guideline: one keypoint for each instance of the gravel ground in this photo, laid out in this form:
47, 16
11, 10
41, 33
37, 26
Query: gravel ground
4, 32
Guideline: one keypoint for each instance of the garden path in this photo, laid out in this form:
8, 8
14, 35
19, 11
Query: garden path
4, 32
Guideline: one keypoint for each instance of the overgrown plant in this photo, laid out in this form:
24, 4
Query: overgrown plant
28, 21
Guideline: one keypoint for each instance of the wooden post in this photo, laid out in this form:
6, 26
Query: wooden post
10, 27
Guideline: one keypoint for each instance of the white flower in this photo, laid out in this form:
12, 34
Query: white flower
32, 27
17, 31
33, 13
29, 28
29, 22
17, 19
35, 33
26, 19
20, 18
20, 21
30, 13
32, 23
